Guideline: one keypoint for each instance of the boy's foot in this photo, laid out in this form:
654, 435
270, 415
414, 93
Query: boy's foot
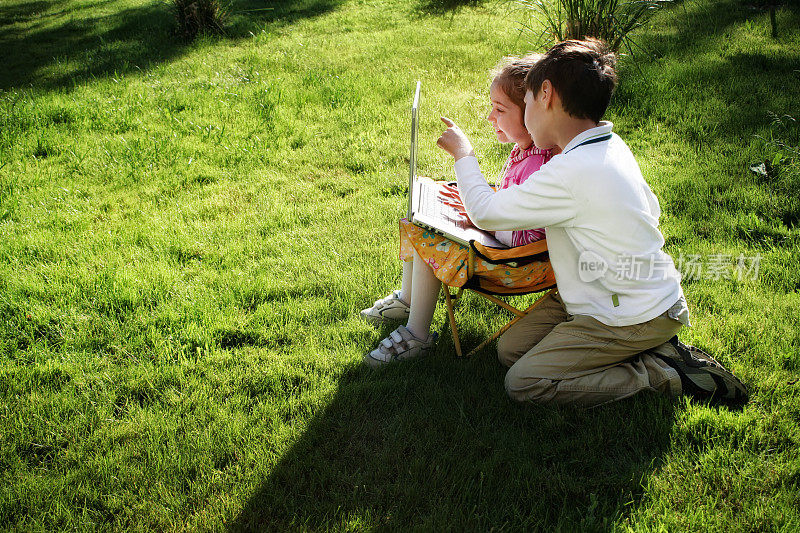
386, 309
399, 345
701, 375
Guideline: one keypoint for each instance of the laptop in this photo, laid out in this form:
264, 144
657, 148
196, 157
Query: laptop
426, 207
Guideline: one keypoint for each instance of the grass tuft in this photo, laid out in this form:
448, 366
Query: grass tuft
199, 17
613, 21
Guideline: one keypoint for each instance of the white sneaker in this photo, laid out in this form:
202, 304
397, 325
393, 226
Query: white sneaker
399, 345
386, 309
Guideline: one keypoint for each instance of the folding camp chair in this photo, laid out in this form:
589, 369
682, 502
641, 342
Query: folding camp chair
532, 257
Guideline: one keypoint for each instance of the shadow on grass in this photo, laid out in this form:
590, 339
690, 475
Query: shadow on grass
247, 15
440, 7
724, 89
57, 44
747, 84
435, 444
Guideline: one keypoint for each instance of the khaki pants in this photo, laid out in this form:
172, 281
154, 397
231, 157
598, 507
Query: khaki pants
575, 359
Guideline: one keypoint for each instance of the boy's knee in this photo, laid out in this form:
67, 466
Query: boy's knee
509, 350
521, 387
504, 355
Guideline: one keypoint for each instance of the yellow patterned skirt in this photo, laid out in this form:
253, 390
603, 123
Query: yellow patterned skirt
449, 261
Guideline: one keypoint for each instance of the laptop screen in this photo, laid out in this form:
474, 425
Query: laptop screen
412, 173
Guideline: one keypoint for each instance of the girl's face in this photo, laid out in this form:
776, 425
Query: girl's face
507, 118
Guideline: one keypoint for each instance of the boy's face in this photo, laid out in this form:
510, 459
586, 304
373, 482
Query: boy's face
537, 120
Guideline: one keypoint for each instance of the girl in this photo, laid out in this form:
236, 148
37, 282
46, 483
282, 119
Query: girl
429, 259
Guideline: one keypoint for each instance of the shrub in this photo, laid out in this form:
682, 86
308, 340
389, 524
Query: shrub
195, 17
610, 20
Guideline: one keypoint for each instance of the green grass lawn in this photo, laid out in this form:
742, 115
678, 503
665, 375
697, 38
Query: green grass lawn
188, 231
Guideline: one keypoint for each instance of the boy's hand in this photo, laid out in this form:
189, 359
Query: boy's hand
454, 142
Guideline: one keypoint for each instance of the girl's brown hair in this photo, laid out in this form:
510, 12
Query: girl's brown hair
510, 74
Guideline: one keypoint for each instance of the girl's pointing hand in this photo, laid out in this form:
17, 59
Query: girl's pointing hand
454, 142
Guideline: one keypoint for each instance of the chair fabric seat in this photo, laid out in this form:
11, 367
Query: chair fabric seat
528, 265
488, 273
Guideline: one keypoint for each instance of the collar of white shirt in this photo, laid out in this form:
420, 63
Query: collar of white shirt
603, 128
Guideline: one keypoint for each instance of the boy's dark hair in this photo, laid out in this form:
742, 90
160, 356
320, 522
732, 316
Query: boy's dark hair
510, 76
582, 73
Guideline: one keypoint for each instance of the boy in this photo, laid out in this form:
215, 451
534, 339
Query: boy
609, 331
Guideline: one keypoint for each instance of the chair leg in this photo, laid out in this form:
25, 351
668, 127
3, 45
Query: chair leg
511, 309
497, 334
520, 316
451, 316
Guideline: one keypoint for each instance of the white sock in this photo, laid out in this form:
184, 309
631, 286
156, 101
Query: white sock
408, 274
424, 292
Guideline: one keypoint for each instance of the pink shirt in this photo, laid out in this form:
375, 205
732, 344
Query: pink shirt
518, 168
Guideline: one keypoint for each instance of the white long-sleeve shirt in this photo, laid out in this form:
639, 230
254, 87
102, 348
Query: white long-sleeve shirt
601, 220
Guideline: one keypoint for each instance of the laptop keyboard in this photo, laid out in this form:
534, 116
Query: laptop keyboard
429, 202
432, 205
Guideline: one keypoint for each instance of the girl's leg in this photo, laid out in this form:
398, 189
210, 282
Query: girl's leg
405, 288
395, 306
424, 293
414, 339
